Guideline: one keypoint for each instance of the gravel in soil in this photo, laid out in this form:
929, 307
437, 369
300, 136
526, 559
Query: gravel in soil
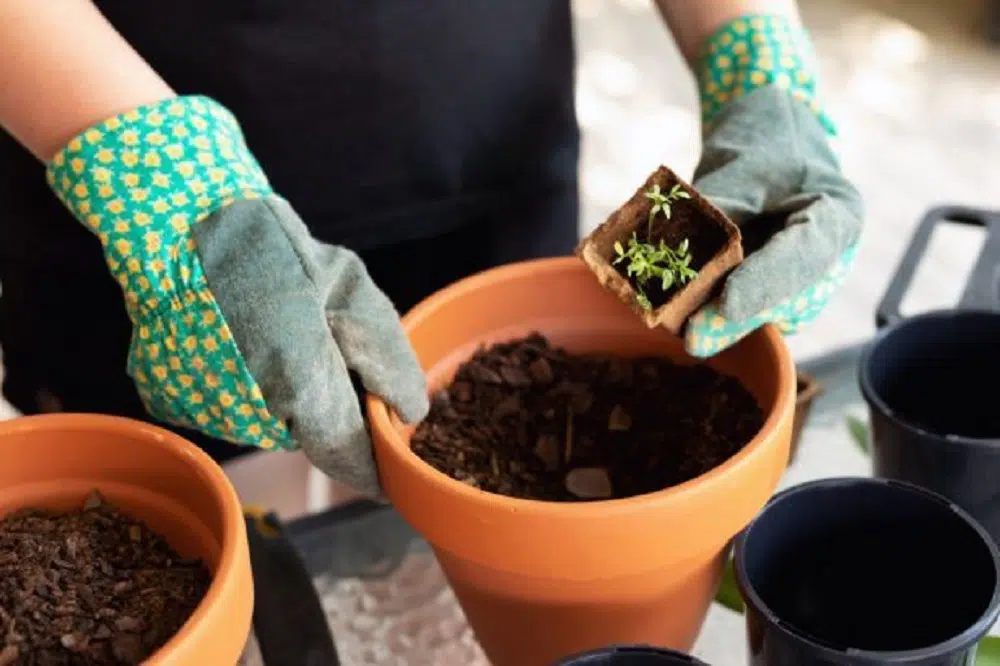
90, 587
530, 420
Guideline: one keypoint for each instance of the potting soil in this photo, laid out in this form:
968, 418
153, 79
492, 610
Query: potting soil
526, 419
91, 586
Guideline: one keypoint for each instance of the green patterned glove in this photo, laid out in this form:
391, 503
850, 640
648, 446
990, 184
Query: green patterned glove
767, 163
244, 326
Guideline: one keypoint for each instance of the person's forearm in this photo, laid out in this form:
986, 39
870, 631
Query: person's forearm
63, 67
692, 21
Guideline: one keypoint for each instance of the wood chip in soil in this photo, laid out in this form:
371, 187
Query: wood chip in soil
529, 420
90, 587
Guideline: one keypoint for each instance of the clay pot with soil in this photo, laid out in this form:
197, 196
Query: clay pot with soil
120, 544
579, 476
664, 251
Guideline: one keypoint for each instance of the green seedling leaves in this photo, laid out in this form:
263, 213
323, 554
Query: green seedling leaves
988, 652
728, 594
859, 433
661, 201
646, 262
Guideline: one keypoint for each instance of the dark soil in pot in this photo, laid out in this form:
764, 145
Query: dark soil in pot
90, 587
526, 419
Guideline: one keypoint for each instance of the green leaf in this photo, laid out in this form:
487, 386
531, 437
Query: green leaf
683, 195
988, 652
859, 433
683, 247
728, 593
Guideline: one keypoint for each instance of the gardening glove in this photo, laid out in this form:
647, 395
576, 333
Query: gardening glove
244, 325
766, 151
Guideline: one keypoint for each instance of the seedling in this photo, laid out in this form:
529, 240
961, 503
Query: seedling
648, 261
662, 202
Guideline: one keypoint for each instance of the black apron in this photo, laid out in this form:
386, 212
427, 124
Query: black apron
434, 137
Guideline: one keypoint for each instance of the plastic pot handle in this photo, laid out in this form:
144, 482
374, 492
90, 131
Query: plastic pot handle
288, 619
980, 291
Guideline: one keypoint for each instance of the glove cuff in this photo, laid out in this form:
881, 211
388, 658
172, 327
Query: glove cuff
143, 181
158, 168
754, 51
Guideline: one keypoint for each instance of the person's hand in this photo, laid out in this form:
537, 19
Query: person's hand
767, 163
244, 326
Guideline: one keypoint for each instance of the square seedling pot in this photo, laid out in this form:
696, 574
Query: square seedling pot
714, 243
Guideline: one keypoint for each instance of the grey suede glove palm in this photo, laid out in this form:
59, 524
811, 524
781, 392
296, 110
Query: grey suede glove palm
307, 313
245, 327
768, 164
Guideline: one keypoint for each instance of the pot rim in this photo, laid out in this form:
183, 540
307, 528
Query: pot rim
209, 608
962, 641
875, 401
640, 650
383, 420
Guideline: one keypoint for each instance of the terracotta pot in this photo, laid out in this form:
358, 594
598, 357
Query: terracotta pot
55, 461
539, 581
807, 389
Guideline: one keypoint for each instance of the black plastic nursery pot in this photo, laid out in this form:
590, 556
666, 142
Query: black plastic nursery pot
631, 655
933, 408
929, 381
863, 572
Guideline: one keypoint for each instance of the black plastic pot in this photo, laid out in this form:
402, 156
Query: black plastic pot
288, 618
631, 655
865, 572
930, 382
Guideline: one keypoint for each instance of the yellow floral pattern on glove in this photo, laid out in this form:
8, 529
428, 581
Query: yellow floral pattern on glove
756, 51
708, 332
140, 181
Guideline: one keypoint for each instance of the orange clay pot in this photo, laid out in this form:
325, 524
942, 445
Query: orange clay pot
542, 580
55, 461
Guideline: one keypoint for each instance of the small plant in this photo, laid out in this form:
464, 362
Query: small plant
648, 261
662, 202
